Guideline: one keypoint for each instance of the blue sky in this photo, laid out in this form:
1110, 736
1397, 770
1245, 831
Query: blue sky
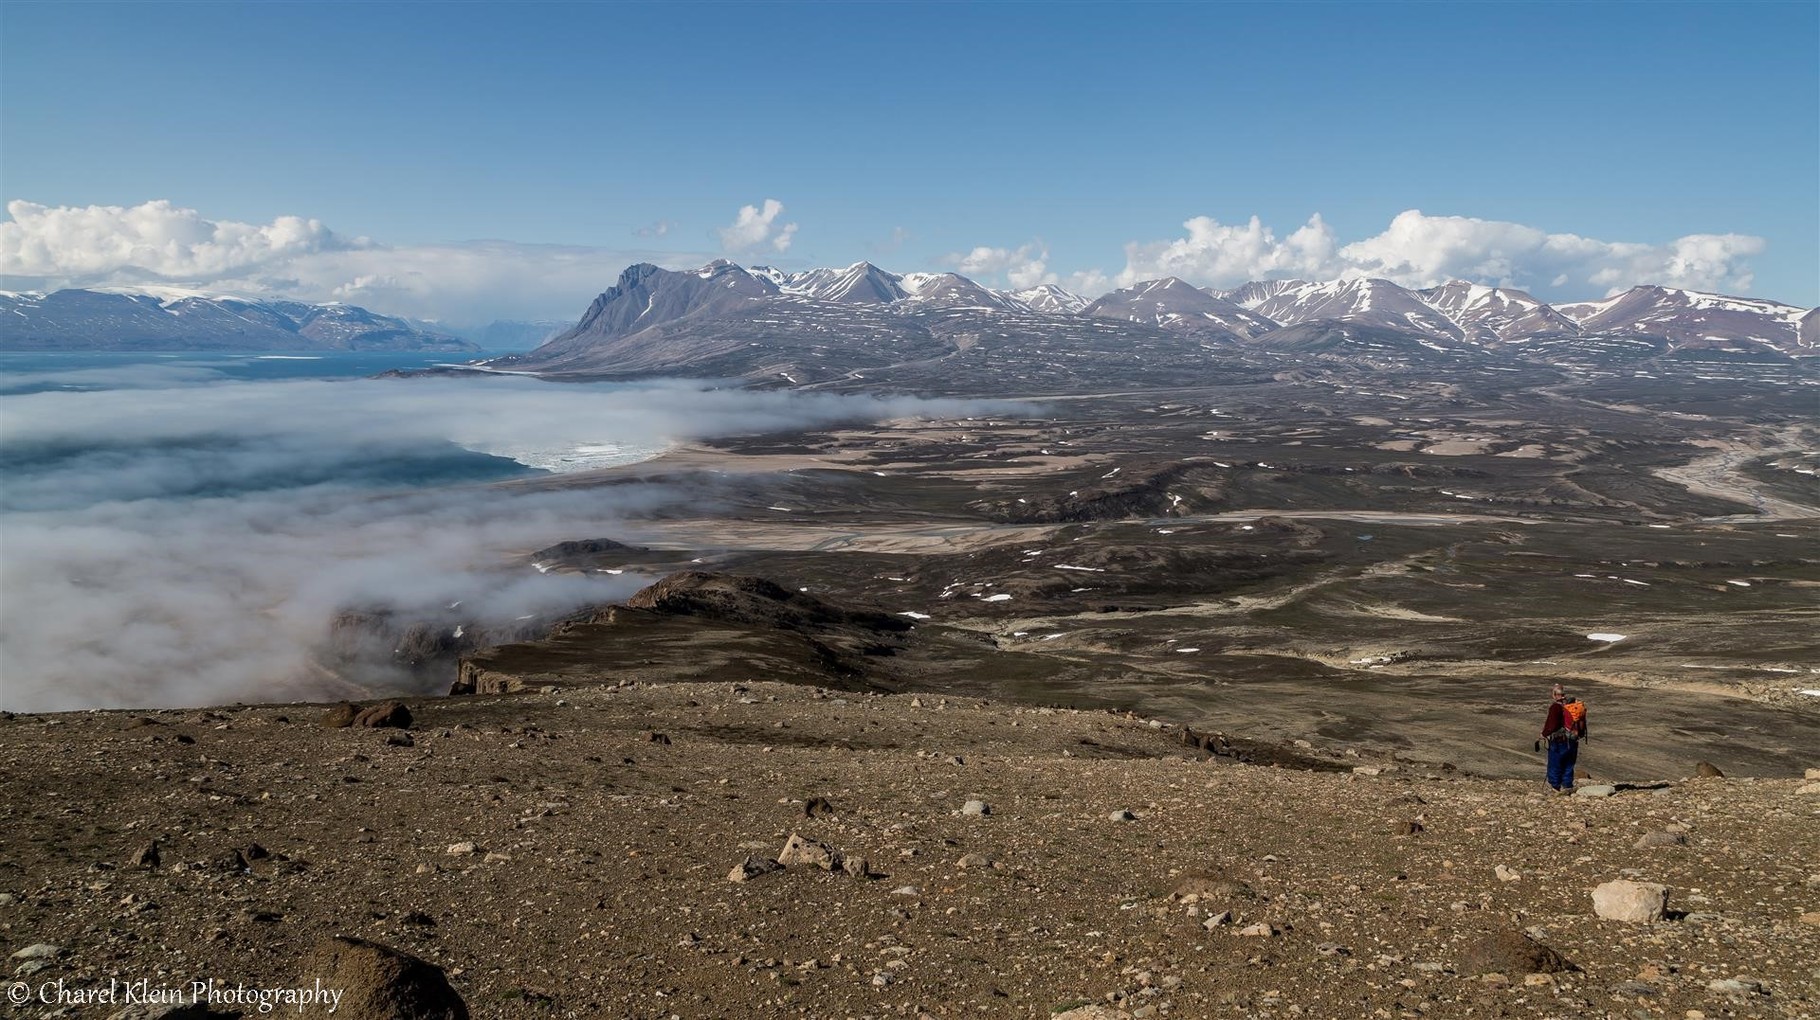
1571, 148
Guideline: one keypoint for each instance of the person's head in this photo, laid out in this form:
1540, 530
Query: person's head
1560, 693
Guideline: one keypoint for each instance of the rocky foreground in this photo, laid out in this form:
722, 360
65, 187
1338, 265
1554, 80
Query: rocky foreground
613, 851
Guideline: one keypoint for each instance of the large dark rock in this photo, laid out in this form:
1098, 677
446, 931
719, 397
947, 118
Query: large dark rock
1508, 953
378, 983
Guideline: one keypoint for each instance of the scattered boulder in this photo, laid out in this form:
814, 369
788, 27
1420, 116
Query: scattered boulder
856, 867
753, 867
1624, 900
1407, 828
400, 739
976, 807
379, 983
799, 850
1505, 874
816, 807
1121, 815
1735, 987
385, 715
341, 716
1596, 790
1659, 839
1510, 952
1259, 930
39, 951
463, 848
146, 859
654, 737
1707, 770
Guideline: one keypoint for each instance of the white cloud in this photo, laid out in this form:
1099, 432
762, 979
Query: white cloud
1419, 250
1021, 268
157, 238
45, 248
757, 227
1218, 254
658, 229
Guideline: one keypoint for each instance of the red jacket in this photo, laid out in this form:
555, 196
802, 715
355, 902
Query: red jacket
1557, 719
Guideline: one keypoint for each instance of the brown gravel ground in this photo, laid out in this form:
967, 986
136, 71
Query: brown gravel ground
598, 882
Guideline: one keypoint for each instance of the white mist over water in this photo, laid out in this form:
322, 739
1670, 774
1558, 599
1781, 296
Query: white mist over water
185, 540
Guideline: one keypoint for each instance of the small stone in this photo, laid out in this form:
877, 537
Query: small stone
495, 857
1259, 930
1595, 791
976, 807
1624, 900
39, 951
1505, 874
400, 739
1707, 770
970, 861
800, 850
1660, 839
1735, 986
463, 848
147, 857
1811, 917
856, 867
751, 868
1121, 815
1218, 920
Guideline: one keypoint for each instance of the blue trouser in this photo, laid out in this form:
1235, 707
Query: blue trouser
1561, 757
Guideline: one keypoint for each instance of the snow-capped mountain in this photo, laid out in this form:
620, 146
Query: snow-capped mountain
861, 283
951, 290
826, 325
164, 319
1488, 315
1376, 303
1175, 305
1692, 319
1050, 299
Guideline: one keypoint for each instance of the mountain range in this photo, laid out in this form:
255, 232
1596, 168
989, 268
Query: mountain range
169, 320
815, 325
727, 320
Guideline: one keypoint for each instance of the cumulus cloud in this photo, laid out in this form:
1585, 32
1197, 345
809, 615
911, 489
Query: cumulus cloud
1419, 250
1022, 267
157, 239
191, 540
1218, 254
757, 227
46, 248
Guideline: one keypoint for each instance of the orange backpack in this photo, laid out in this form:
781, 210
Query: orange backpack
1573, 717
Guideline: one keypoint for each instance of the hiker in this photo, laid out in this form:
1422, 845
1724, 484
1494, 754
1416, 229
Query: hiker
1563, 728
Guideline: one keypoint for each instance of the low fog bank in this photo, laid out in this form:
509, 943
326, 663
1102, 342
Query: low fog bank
182, 540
